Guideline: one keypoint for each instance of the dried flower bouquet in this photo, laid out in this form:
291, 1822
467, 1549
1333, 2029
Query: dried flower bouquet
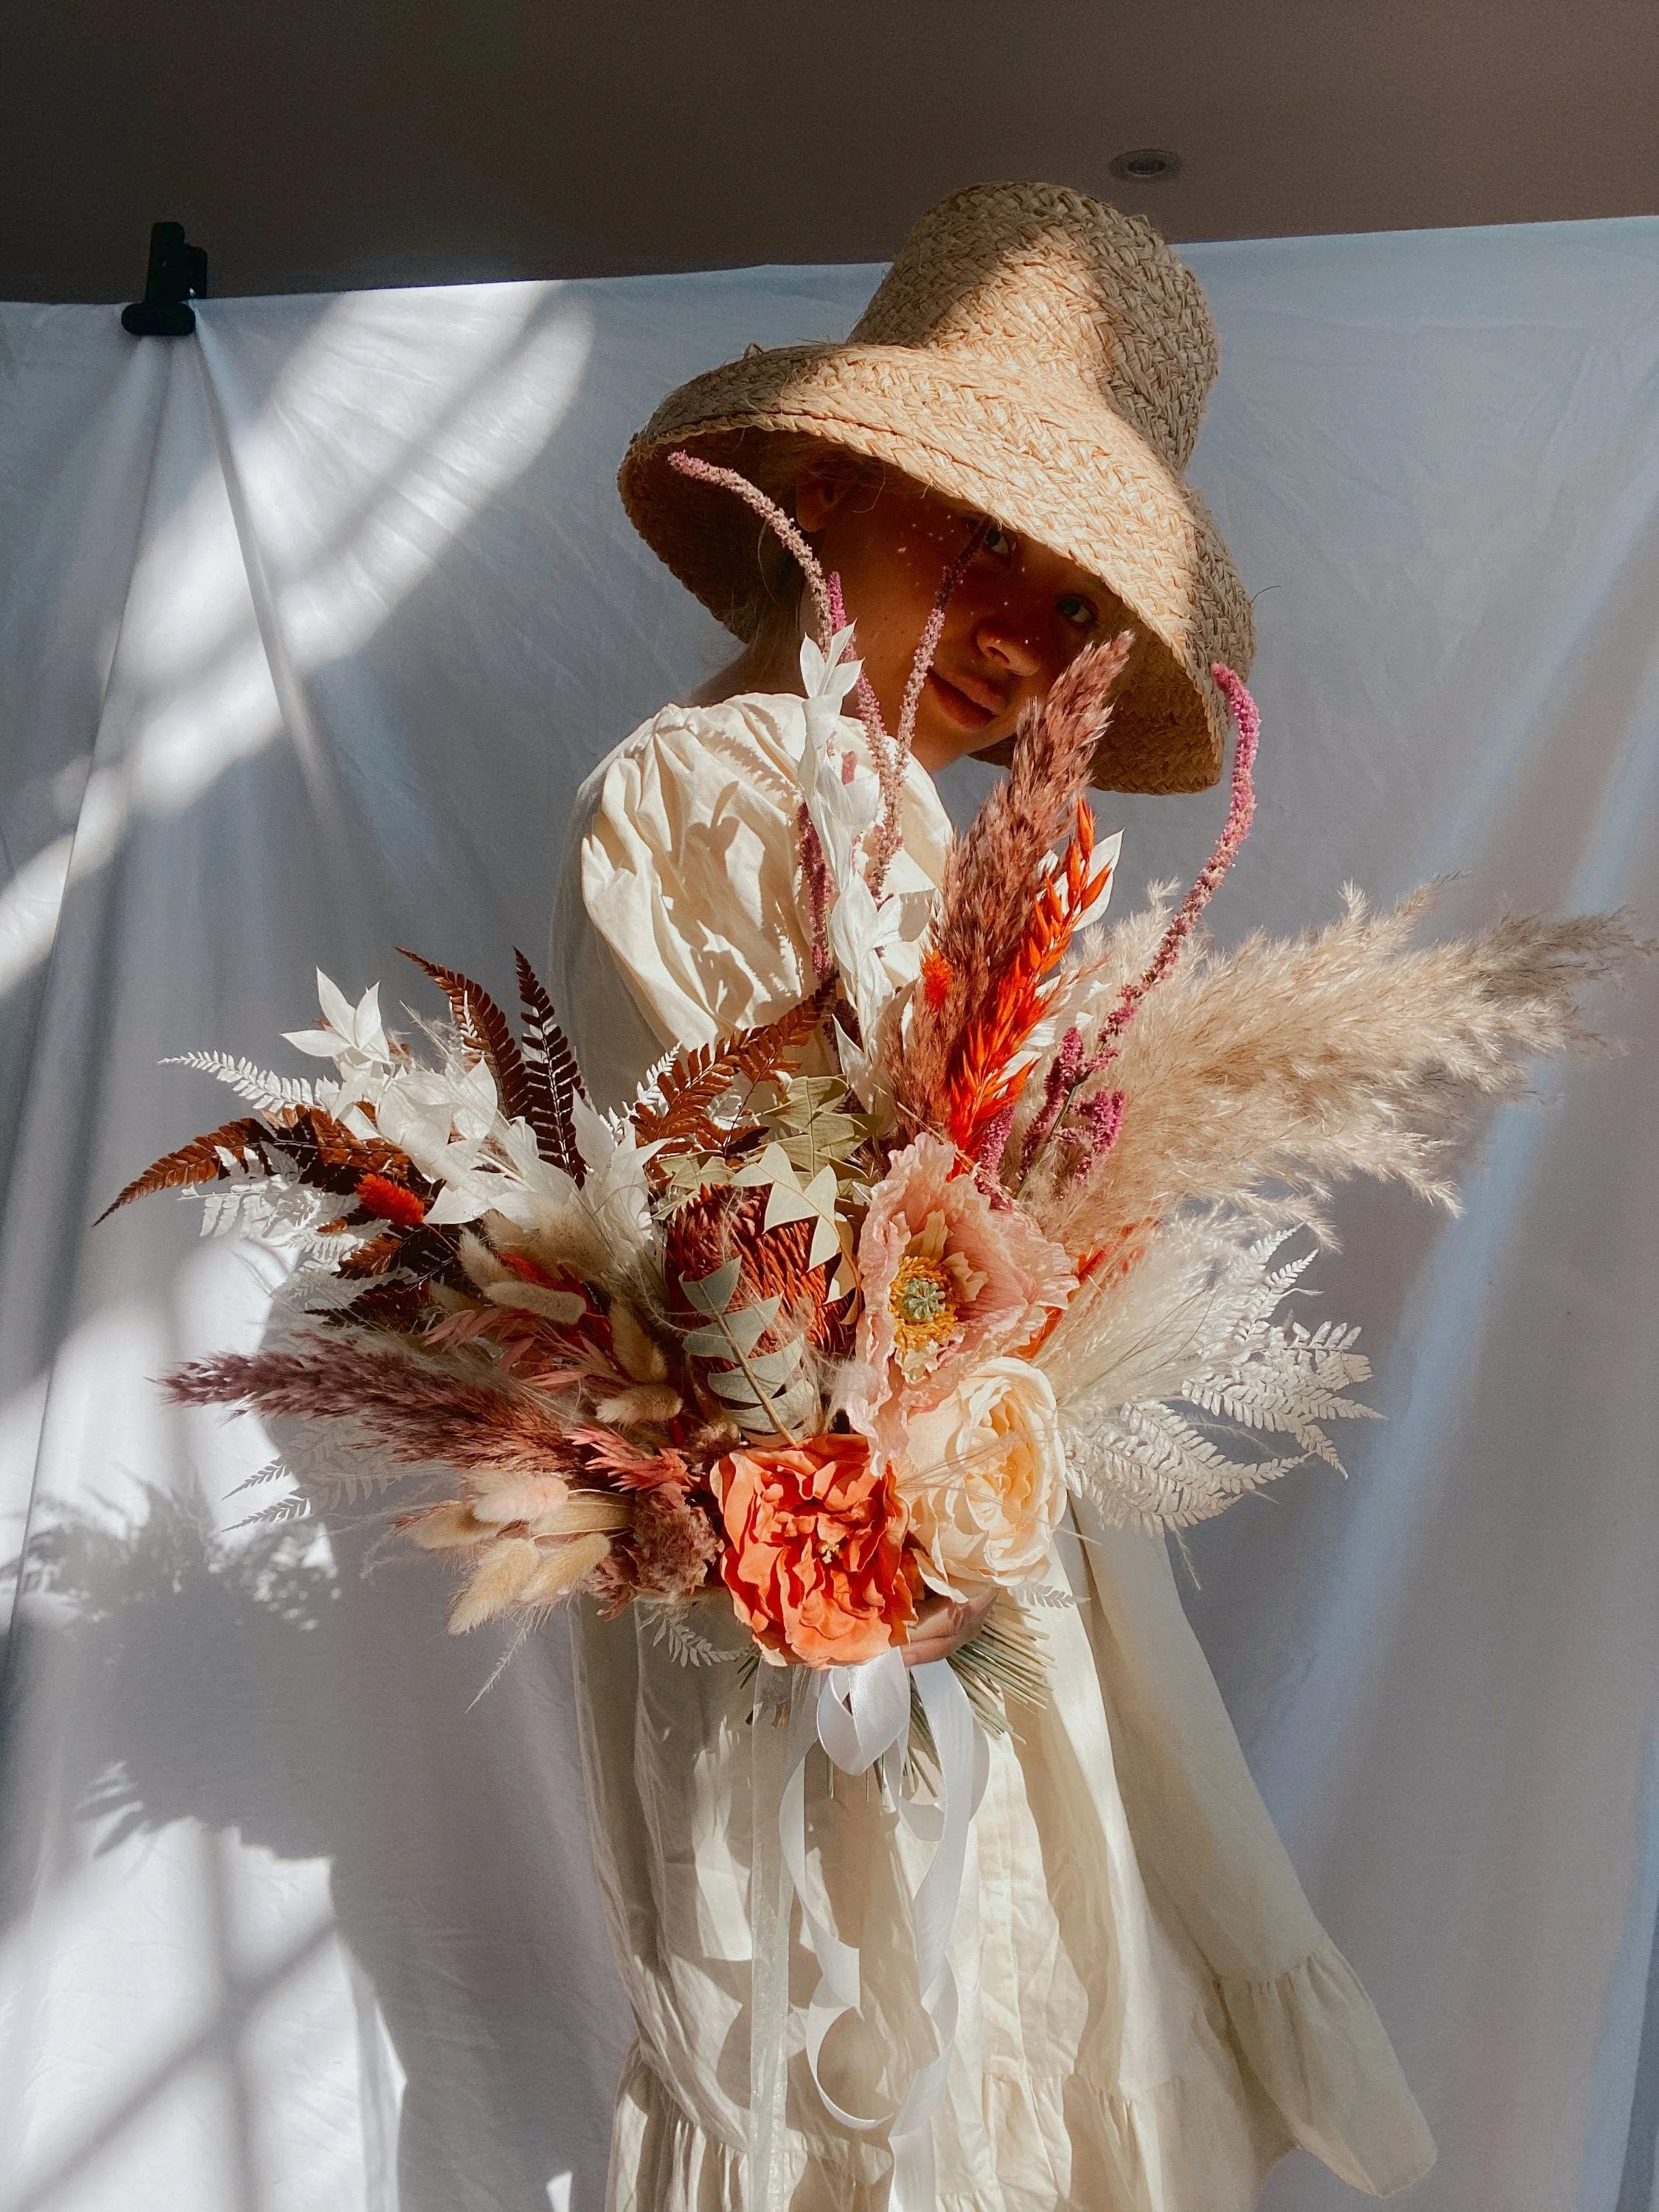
839, 1311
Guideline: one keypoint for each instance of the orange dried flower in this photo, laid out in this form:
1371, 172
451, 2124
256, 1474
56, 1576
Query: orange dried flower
815, 1559
980, 1086
937, 977
390, 1201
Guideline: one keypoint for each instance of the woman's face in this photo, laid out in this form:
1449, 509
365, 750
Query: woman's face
1019, 614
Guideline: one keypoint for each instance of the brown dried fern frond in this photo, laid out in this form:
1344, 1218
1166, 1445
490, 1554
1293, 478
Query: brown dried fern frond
303, 1142
698, 1080
553, 1080
203, 1160
485, 1031
324, 1153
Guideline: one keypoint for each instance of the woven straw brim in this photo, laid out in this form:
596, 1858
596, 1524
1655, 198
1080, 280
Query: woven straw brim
1039, 454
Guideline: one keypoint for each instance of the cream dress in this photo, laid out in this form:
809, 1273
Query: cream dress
1152, 2016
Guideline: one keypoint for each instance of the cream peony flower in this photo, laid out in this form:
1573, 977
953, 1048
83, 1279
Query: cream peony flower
984, 1476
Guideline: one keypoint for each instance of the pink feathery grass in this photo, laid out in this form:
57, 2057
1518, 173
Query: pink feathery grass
998, 870
414, 1408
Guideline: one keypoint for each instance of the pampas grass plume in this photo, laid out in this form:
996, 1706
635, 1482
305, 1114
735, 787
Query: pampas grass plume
1297, 1062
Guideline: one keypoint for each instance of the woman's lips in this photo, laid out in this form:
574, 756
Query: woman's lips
968, 714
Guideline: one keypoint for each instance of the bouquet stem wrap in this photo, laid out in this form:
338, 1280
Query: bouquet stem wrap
859, 1716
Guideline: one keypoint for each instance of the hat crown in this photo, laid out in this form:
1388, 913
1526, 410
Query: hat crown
1039, 274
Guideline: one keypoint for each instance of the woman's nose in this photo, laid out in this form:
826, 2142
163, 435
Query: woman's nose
1007, 641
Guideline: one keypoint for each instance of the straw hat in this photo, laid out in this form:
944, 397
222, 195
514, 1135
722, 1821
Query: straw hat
1045, 361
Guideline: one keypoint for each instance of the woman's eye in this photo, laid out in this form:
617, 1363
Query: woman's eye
1080, 612
997, 540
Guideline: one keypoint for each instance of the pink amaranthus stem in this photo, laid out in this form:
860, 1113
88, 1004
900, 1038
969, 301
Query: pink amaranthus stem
888, 753
688, 464
1239, 816
815, 875
1064, 1073
885, 840
1102, 1113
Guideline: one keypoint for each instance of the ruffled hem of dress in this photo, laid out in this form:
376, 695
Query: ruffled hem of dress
1121, 2151
1313, 2041
1318, 2071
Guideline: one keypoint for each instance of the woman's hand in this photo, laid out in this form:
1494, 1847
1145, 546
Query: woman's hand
944, 1624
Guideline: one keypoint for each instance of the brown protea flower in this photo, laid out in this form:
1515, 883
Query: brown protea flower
722, 1224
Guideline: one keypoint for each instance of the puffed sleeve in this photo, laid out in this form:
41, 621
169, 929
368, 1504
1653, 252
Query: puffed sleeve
688, 869
688, 864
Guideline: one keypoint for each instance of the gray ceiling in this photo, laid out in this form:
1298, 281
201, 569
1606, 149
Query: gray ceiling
310, 144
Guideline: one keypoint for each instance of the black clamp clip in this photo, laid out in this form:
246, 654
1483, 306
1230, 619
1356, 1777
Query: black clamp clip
177, 273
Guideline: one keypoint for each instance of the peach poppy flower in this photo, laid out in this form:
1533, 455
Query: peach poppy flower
816, 1557
950, 1276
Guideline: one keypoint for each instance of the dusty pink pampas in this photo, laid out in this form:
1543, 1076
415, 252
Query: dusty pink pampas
415, 1408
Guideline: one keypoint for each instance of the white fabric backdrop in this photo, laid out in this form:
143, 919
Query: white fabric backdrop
308, 632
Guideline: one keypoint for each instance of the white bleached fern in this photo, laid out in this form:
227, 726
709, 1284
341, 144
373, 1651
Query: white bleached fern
314, 1288
278, 1210
687, 1647
257, 1085
274, 1470
1162, 1377
1288, 1379
1049, 1596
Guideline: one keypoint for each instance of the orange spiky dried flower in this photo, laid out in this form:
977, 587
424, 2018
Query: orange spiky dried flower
997, 872
985, 1075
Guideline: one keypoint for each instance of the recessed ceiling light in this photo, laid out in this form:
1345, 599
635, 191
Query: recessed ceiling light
1146, 164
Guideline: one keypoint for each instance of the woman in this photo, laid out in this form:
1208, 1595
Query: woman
1152, 2016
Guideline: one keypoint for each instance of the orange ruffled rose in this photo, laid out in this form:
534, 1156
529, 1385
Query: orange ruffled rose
816, 1558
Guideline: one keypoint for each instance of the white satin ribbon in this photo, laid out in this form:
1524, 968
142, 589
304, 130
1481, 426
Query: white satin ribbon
860, 1715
